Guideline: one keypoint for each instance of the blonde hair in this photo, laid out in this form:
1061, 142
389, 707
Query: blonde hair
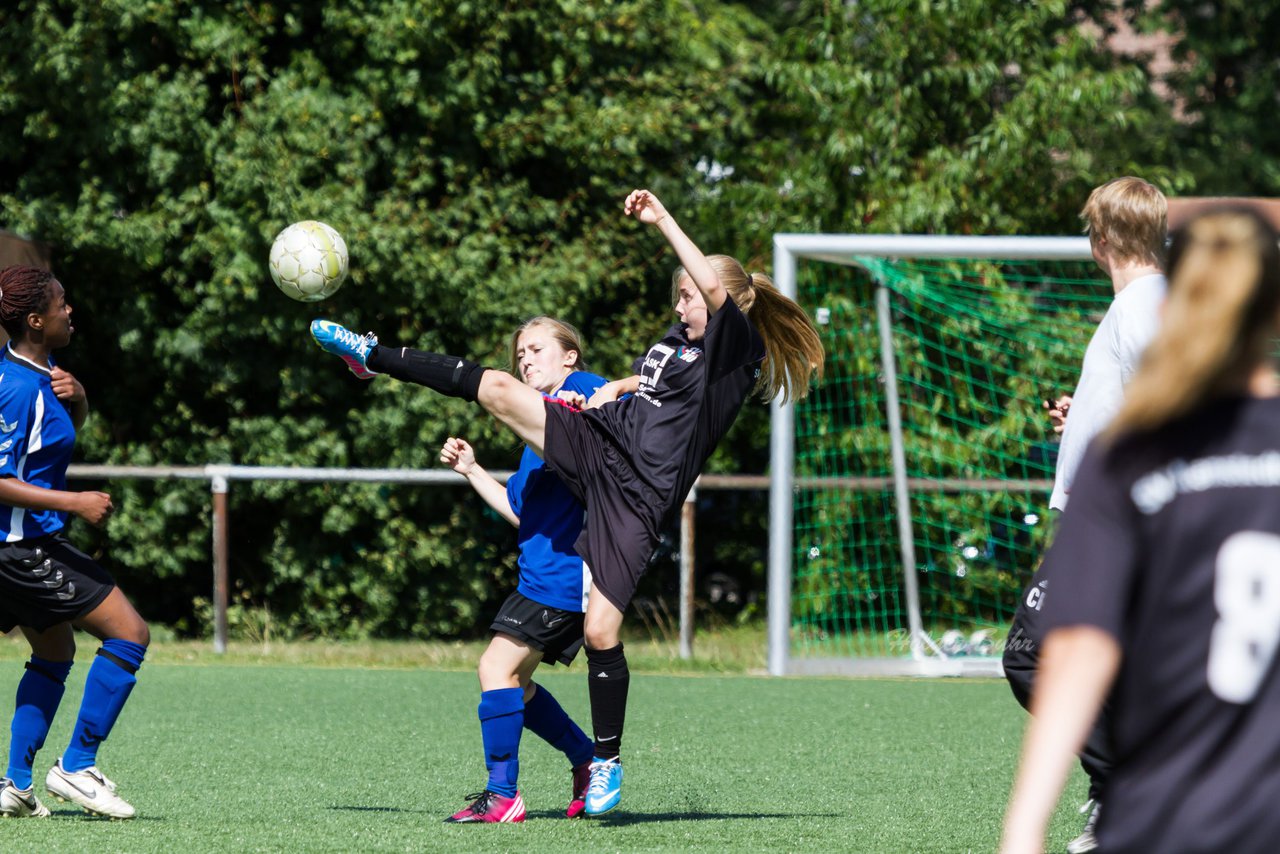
1219, 319
793, 351
565, 334
1132, 215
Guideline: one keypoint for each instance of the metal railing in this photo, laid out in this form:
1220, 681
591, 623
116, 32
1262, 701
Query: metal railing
219, 478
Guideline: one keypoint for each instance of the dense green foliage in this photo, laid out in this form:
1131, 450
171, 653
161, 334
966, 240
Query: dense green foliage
1224, 81
475, 155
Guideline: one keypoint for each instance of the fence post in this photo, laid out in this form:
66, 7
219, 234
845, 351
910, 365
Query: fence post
687, 572
219, 487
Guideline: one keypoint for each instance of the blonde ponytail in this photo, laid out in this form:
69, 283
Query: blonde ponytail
1218, 322
793, 351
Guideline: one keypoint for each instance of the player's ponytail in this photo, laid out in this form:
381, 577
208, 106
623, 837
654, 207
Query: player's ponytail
23, 291
1218, 323
793, 351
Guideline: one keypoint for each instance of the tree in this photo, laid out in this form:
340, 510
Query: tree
474, 156
1223, 83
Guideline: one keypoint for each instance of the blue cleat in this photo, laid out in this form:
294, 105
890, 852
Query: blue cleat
605, 790
346, 345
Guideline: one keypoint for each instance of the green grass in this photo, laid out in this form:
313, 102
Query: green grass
319, 754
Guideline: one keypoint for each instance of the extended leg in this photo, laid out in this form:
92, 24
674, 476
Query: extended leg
506, 398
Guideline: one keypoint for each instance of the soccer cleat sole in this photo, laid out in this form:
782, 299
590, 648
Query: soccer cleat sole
87, 811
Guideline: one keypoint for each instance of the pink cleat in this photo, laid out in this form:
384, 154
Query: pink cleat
491, 807
578, 798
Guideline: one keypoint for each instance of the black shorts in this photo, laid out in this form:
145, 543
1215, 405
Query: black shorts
555, 633
624, 516
45, 581
1021, 657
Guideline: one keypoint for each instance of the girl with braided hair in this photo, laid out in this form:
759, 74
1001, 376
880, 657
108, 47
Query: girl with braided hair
47, 586
632, 460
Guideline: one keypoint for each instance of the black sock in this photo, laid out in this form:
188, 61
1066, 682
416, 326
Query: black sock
445, 374
607, 687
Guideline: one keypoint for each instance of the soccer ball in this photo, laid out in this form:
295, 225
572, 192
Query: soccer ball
953, 643
982, 643
308, 261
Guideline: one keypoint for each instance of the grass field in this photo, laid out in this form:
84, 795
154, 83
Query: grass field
361, 751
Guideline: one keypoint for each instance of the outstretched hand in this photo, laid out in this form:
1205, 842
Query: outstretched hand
458, 455
644, 206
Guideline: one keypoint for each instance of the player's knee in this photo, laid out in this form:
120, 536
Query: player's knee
137, 631
600, 637
494, 672
495, 388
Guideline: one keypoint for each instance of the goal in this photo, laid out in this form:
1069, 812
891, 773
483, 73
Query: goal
909, 492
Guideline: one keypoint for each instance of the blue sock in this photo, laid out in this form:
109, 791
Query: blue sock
110, 680
39, 693
501, 719
544, 717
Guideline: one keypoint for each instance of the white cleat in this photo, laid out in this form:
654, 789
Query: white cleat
16, 803
90, 789
1086, 841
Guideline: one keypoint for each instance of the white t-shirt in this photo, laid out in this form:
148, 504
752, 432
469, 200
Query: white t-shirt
1109, 363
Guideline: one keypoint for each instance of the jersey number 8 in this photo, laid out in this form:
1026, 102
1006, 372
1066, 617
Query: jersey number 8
1247, 595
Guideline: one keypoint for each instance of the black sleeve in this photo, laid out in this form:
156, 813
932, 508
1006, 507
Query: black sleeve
1092, 564
731, 342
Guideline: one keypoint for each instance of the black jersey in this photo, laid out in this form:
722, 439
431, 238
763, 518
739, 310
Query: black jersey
689, 395
1171, 544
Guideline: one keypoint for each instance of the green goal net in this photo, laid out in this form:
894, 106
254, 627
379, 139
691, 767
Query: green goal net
977, 346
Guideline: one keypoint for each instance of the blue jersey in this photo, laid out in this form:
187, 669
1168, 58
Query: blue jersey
551, 572
36, 441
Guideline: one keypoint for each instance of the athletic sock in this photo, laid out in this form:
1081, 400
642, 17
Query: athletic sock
39, 693
107, 687
501, 719
608, 681
544, 717
445, 374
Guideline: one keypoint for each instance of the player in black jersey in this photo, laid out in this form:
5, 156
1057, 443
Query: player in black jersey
632, 460
1173, 542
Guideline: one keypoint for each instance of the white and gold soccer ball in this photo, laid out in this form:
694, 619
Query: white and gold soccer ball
308, 261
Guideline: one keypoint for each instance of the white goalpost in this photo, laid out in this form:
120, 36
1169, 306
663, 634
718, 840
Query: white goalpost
922, 654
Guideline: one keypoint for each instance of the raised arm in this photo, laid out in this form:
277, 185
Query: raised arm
644, 206
459, 456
